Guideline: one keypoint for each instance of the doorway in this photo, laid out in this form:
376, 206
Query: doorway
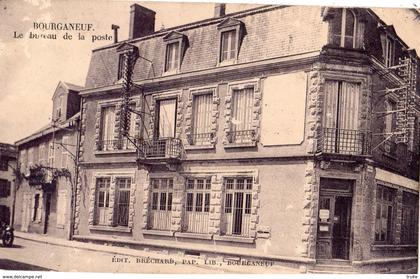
47, 211
334, 219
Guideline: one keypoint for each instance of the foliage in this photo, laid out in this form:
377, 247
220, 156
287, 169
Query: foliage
40, 174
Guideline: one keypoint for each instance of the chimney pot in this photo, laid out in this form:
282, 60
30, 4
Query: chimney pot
142, 21
219, 10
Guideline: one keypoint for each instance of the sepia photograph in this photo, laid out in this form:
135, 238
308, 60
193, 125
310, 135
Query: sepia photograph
208, 138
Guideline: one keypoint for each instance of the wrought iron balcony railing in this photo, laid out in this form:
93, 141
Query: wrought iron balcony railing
343, 141
200, 139
244, 136
160, 148
120, 144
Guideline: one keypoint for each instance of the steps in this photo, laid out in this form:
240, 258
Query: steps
332, 267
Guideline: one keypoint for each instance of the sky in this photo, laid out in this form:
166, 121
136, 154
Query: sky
30, 69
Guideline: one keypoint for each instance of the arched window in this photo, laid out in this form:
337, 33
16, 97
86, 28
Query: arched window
344, 29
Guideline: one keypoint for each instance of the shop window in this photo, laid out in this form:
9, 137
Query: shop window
236, 219
197, 205
4, 188
409, 226
161, 203
385, 207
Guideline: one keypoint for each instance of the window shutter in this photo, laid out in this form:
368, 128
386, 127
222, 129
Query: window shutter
8, 188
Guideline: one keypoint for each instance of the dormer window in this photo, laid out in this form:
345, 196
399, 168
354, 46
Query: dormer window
120, 66
172, 57
59, 105
176, 44
228, 46
344, 29
230, 36
389, 52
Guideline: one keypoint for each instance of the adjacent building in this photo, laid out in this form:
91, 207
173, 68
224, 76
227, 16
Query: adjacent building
47, 161
8, 166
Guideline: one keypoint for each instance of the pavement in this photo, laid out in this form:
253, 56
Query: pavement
42, 252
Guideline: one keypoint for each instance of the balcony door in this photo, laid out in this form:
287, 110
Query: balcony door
341, 115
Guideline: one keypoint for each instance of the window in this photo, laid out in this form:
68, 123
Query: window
30, 157
36, 217
107, 128
167, 118
5, 214
197, 205
389, 52
59, 107
228, 45
344, 29
42, 155
51, 154
237, 206
389, 145
384, 221
4, 188
242, 114
4, 163
122, 201
61, 208
127, 144
120, 73
65, 153
161, 203
409, 227
341, 117
202, 119
102, 201
23, 161
172, 57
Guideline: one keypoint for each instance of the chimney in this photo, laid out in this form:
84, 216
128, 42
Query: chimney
142, 21
115, 28
219, 10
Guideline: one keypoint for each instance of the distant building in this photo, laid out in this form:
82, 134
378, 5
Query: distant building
8, 166
43, 201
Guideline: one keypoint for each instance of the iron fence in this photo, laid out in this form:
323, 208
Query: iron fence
244, 136
160, 148
344, 141
200, 139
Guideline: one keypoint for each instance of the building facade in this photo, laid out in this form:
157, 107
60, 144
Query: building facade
267, 133
48, 163
8, 166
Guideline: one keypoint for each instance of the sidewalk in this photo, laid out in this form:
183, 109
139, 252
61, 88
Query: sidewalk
146, 255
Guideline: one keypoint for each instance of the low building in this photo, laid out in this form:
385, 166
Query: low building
8, 166
47, 160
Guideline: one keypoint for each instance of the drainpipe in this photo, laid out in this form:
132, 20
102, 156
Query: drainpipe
76, 176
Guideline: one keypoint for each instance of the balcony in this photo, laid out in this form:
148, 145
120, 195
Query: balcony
112, 145
243, 137
343, 141
164, 148
200, 139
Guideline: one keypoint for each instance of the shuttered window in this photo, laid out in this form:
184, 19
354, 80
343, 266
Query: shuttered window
167, 114
242, 103
107, 127
384, 221
202, 117
4, 188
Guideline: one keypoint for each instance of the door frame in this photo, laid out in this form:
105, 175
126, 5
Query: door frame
334, 193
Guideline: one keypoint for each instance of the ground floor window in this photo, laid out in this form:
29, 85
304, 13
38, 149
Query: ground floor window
409, 218
5, 214
236, 217
161, 203
197, 205
102, 200
122, 201
36, 216
385, 199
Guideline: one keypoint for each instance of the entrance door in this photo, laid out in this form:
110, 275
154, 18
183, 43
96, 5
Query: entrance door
333, 238
26, 212
47, 211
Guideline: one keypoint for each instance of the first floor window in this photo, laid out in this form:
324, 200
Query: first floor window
4, 163
102, 201
384, 214
161, 203
202, 118
197, 205
237, 206
242, 114
409, 226
122, 201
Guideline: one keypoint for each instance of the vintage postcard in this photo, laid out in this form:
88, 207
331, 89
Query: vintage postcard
169, 137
